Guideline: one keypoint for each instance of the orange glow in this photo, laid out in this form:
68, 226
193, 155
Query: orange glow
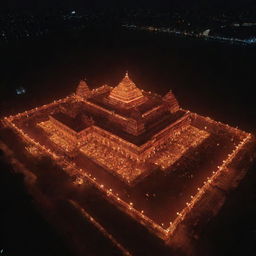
143, 133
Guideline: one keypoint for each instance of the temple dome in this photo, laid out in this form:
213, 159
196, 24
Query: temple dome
126, 92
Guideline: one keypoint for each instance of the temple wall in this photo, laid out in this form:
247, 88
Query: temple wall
160, 138
112, 116
76, 137
101, 90
103, 112
154, 113
130, 150
135, 128
206, 123
70, 111
71, 134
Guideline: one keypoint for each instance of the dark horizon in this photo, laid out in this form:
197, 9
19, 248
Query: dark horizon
38, 5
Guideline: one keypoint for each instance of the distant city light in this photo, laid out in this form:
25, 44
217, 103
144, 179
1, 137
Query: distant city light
21, 90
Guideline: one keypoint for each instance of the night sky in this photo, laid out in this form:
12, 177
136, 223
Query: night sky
66, 4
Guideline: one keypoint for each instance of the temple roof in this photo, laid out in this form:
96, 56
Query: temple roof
126, 91
82, 89
168, 96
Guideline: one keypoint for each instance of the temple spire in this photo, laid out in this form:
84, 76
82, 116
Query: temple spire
83, 89
127, 93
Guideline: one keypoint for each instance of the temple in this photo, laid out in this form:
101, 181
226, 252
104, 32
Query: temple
147, 156
124, 121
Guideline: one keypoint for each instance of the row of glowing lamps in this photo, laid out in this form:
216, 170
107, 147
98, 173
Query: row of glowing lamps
55, 102
26, 113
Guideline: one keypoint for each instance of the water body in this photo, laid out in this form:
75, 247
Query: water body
210, 78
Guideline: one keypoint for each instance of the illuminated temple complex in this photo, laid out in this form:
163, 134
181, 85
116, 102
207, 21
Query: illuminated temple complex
148, 157
129, 125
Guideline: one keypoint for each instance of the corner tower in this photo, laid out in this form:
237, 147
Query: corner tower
83, 90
